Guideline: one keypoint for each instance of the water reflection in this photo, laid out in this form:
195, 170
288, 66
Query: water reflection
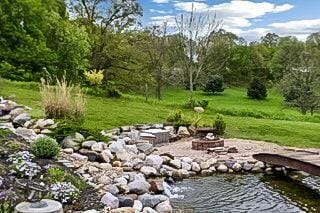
245, 193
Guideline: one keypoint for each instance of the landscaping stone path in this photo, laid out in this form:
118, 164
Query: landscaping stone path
246, 149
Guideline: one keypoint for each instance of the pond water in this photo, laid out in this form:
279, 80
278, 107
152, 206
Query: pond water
246, 193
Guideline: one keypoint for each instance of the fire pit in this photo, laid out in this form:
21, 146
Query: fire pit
202, 144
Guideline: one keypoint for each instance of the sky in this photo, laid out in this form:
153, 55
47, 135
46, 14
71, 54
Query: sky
250, 19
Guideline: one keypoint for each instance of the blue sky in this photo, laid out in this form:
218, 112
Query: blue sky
250, 19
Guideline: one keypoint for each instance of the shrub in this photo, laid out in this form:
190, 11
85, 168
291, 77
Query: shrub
94, 77
45, 147
62, 100
219, 125
214, 84
174, 116
56, 175
257, 90
113, 93
192, 103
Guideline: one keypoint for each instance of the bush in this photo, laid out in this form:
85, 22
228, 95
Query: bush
220, 125
174, 116
192, 103
45, 147
257, 90
113, 93
214, 84
62, 100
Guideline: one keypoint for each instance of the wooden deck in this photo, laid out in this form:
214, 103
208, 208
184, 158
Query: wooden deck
299, 160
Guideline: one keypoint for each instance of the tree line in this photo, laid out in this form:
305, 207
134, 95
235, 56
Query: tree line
41, 37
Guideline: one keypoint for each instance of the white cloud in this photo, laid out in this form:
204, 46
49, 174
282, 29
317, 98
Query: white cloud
159, 11
187, 6
299, 28
160, 1
162, 18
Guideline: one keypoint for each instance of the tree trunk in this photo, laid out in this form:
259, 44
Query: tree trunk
190, 82
158, 86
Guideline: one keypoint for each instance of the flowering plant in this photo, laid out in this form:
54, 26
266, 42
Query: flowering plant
21, 164
65, 192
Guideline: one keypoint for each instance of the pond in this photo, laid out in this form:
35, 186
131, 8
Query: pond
246, 193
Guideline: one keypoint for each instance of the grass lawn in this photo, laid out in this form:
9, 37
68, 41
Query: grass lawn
259, 120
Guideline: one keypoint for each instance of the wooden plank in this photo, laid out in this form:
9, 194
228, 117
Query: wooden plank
307, 163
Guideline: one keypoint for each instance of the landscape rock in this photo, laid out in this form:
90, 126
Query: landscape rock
106, 156
117, 146
125, 201
247, 166
27, 134
204, 165
145, 147
98, 147
148, 171
183, 131
185, 166
186, 160
112, 189
78, 157
92, 155
69, 142
110, 200
154, 160
148, 210
195, 167
137, 205
88, 144
164, 207
123, 210
156, 185
151, 201
139, 186
44, 123
176, 163
222, 168
236, 167
21, 118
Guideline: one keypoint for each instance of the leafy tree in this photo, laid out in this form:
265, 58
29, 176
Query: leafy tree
270, 39
257, 90
301, 82
214, 84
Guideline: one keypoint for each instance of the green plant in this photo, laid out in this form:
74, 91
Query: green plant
192, 103
56, 175
219, 125
62, 100
257, 90
45, 147
112, 92
174, 116
214, 84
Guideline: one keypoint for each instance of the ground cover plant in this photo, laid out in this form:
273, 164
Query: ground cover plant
285, 126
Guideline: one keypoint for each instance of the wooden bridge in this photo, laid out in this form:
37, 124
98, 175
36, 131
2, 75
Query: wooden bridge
298, 160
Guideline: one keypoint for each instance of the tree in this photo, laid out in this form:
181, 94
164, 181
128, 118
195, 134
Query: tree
302, 81
37, 36
214, 84
257, 90
196, 31
270, 39
156, 47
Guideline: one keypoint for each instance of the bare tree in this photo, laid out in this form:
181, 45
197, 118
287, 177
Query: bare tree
196, 30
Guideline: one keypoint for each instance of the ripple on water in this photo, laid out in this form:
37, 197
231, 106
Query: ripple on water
239, 193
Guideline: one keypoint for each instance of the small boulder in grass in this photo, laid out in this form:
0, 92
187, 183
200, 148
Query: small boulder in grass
198, 109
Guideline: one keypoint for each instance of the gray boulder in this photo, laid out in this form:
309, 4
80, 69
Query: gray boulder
110, 200
88, 144
70, 142
139, 186
148, 171
164, 207
22, 118
151, 201
154, 160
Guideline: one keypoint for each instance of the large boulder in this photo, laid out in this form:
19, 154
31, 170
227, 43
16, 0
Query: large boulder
125, 201
44, 123
176, 163
106, 155
139, 186
88, 144
151, 201
110, 200
99, 147
164, 207
195, 167
222, 168
148, 171
145, 147
117, 146
22, 118
183, 131
154, 161
70, 142
27, 134
137, 205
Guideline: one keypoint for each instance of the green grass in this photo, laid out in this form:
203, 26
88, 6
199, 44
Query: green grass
249, 119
